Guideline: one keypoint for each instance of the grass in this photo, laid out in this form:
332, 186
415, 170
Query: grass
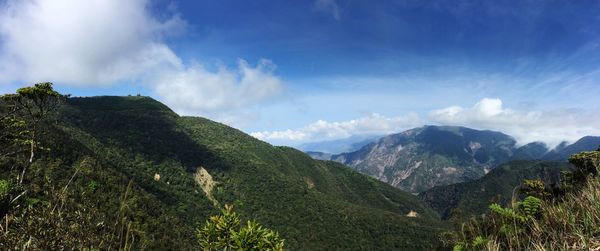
573, 224
569, 222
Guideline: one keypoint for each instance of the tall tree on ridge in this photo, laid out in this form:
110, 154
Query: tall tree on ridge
33, 104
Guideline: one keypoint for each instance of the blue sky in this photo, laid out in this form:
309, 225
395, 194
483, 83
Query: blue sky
290, 72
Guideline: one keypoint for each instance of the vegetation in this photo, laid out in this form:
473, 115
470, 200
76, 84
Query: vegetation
459, 202
123, 173
223, 232
127, 173
557, 221
30, 106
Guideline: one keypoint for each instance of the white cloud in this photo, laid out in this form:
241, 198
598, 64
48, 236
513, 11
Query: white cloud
329, 6
194, 89
548, 126
95, 42
481, 112
103, 42
320, 130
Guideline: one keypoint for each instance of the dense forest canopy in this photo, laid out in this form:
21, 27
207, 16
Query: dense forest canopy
128, 173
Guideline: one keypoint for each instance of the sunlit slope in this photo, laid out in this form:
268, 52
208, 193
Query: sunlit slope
313, 204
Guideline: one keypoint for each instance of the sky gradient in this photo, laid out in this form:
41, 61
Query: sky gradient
291, 72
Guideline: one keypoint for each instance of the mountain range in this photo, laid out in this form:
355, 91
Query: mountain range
422, 158
337, 146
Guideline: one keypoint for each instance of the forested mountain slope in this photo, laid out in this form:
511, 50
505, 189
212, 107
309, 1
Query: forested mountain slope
129, 172
473, 197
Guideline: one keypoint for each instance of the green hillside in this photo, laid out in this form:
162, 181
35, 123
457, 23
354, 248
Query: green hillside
560, 218
473, 197
127, 172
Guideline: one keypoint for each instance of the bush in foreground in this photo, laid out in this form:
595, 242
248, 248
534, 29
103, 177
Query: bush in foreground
568, 222
223, 232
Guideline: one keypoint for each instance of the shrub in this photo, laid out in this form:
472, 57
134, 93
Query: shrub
535, 188
565, 221
223, 232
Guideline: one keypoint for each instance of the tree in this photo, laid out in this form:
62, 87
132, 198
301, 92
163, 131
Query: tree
26, 109
223, 232
12, 135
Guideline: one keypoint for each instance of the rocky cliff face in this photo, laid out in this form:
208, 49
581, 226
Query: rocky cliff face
421, 158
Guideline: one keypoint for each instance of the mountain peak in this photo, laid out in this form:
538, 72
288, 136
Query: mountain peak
423, 157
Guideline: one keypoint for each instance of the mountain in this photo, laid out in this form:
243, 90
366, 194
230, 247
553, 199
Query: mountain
563, 151
421, 158
531, 151
473, 197
349, 144
129, 171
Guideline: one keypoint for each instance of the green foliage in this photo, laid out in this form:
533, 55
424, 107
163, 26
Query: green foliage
25, 110
223, 232
459, 247
5, 188
536, 188
479, 242
255, 237
92, 186
5, 192
14, 136
34, 102
587, 164
507, 215
98, 177
530, 206
218, 230
526, 210
535, 178
562, 221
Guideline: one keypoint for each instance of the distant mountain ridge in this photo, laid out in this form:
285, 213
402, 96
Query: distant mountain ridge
421, 158
563, 151
338, 146
533, 150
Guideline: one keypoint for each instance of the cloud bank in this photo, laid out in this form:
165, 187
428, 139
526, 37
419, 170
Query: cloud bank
106, 42
320, 130
548, 126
